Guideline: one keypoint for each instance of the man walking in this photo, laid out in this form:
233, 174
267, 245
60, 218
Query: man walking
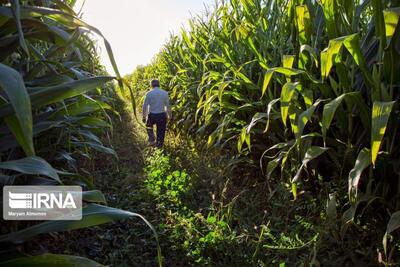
156, 110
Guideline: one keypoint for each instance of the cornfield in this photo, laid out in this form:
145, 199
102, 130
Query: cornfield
305, 91
55, 101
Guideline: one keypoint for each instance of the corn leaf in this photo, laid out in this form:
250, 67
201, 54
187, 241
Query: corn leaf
312, 153
267, 80
50, 260
303, 21
328, 56
329, 112
391, 17
380, 116
15, 6
256, 118
287, 61
92, 214
31, 165
269, 108
362, 162
287, 93
49, 95
394, 222
305, 117
330, 20
95, 196
288, 72
19, 106
393, 225
272, 165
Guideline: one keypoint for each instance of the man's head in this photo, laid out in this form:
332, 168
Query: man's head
155, 83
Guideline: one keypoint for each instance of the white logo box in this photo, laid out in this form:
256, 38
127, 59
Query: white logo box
42, 203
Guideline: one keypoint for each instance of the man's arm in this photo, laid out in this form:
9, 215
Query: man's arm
168, 107
145, 108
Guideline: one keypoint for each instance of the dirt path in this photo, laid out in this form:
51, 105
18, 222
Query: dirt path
128, 242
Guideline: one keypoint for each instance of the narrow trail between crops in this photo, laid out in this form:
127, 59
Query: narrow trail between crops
126, 242
130, 242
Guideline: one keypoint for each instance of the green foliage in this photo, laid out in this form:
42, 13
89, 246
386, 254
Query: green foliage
171, 187
272, 81
54, 99
191, 231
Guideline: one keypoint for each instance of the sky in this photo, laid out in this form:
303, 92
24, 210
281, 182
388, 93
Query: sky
137, 29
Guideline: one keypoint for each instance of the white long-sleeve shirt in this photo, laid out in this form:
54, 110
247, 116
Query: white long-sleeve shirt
156, 101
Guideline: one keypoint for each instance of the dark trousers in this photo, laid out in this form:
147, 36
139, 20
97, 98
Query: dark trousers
160, 120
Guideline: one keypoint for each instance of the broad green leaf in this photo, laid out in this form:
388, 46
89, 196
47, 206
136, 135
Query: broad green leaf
269, 108
81, 107
20, 115
312, 153
288, 72
308, 97
244, 138
287, 93
328, 7
93, 122
294, 190
94, 196
15, 7
211, 140
287, 61
380, 116
272, 165
50, 260
328, 56
187, 40
394, 222
267, 80
221, 90
352, 44
98, 147
303, 23
303, 57
256, 118
93, 214
31, 165
362, 162
329, 112
49, 95
391, 17
305, 117
255, 50
393, 225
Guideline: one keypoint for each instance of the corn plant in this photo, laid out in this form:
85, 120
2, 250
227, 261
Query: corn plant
55, 101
